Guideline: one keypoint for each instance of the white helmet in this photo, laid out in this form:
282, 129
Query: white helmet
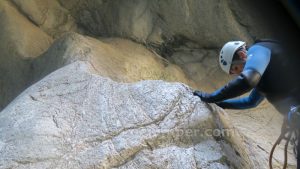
227, 52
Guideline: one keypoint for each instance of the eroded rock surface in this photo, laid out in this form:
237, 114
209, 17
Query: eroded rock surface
120, 59
75, 119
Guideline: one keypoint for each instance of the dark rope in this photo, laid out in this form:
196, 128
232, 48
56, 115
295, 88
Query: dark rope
284, 131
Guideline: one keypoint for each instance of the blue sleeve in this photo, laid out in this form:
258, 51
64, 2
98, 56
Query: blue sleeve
243, 103
258, 58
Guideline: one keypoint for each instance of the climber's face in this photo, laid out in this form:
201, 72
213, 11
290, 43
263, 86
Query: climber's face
238, 66
236, 69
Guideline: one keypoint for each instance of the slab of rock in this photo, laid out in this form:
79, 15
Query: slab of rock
76, 119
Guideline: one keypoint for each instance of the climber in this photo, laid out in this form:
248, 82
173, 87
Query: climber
264, 70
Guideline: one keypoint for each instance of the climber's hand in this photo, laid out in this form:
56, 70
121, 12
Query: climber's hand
203, 96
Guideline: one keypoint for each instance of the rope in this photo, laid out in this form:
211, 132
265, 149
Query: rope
285, 149
284, 131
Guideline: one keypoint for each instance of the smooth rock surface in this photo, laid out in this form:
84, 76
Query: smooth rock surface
120, 59
20, 42
48, 15
208, 23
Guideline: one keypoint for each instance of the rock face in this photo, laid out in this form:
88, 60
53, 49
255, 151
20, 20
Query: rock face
48, 15
29, 27
120, 59
38, 37
209, 23
20, 41
75, 119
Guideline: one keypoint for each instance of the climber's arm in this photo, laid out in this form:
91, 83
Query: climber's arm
243, 103
240, 85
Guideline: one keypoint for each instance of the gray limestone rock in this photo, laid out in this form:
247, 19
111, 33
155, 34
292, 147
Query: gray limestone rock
75, 119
